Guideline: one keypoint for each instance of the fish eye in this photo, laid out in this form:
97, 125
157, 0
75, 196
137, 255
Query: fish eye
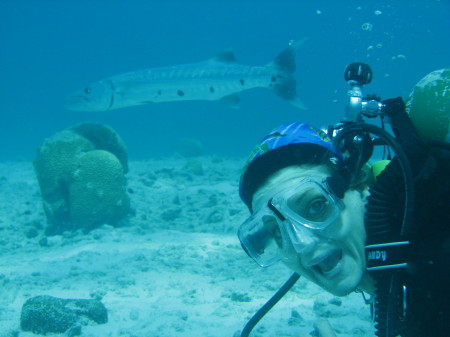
87, 91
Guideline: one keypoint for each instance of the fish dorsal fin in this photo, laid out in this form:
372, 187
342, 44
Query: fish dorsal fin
226, 56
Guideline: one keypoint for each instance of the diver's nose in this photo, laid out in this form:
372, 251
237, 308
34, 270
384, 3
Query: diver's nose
303, 239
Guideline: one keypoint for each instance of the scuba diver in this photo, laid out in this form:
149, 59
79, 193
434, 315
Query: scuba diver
318, 206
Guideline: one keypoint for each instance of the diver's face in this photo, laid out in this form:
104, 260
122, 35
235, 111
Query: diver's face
335, 258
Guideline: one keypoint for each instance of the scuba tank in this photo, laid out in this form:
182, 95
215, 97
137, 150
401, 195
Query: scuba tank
428, 107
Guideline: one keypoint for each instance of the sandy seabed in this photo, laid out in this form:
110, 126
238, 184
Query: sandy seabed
174, 268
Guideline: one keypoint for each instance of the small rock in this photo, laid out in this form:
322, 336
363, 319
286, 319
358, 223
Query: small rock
240, 297
194, 167
214, 217
97, 294
134, 315
31, 233
47, 314
43, 242
323, 309
171, 214
233, 211
335, 301
296, 319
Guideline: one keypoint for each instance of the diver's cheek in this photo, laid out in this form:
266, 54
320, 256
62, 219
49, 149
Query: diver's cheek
351, 276
338, 269
293, 262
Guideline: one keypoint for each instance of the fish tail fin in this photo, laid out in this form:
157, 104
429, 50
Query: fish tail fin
285, 86
286, 59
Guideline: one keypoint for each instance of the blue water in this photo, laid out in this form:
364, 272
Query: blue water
50, 48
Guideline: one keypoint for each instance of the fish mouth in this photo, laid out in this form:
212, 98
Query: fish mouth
328, 264
75, 102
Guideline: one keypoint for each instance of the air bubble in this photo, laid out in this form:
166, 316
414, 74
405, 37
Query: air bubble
399, 56
367, 26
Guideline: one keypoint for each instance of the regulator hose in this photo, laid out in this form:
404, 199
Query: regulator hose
408, 178
269, 304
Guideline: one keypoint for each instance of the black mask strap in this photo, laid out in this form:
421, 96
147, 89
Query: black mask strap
338, 184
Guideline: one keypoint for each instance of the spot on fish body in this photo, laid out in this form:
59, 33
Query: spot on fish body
242, 81
211, 89
180, 93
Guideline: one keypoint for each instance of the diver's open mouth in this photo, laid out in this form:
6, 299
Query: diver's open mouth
329, 264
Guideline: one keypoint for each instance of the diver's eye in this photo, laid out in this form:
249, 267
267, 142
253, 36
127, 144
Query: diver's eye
311, 205
87, 91
317, 206
318, 210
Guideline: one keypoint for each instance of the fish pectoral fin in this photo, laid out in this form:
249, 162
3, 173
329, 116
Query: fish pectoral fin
226, 56
231, 100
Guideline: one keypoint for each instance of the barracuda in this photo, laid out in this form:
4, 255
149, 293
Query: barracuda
217, 79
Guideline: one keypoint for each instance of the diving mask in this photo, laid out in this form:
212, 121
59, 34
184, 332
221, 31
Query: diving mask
292, 217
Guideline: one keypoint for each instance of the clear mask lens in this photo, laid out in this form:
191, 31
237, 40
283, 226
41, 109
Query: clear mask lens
309, 205
261, 238
293, 217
